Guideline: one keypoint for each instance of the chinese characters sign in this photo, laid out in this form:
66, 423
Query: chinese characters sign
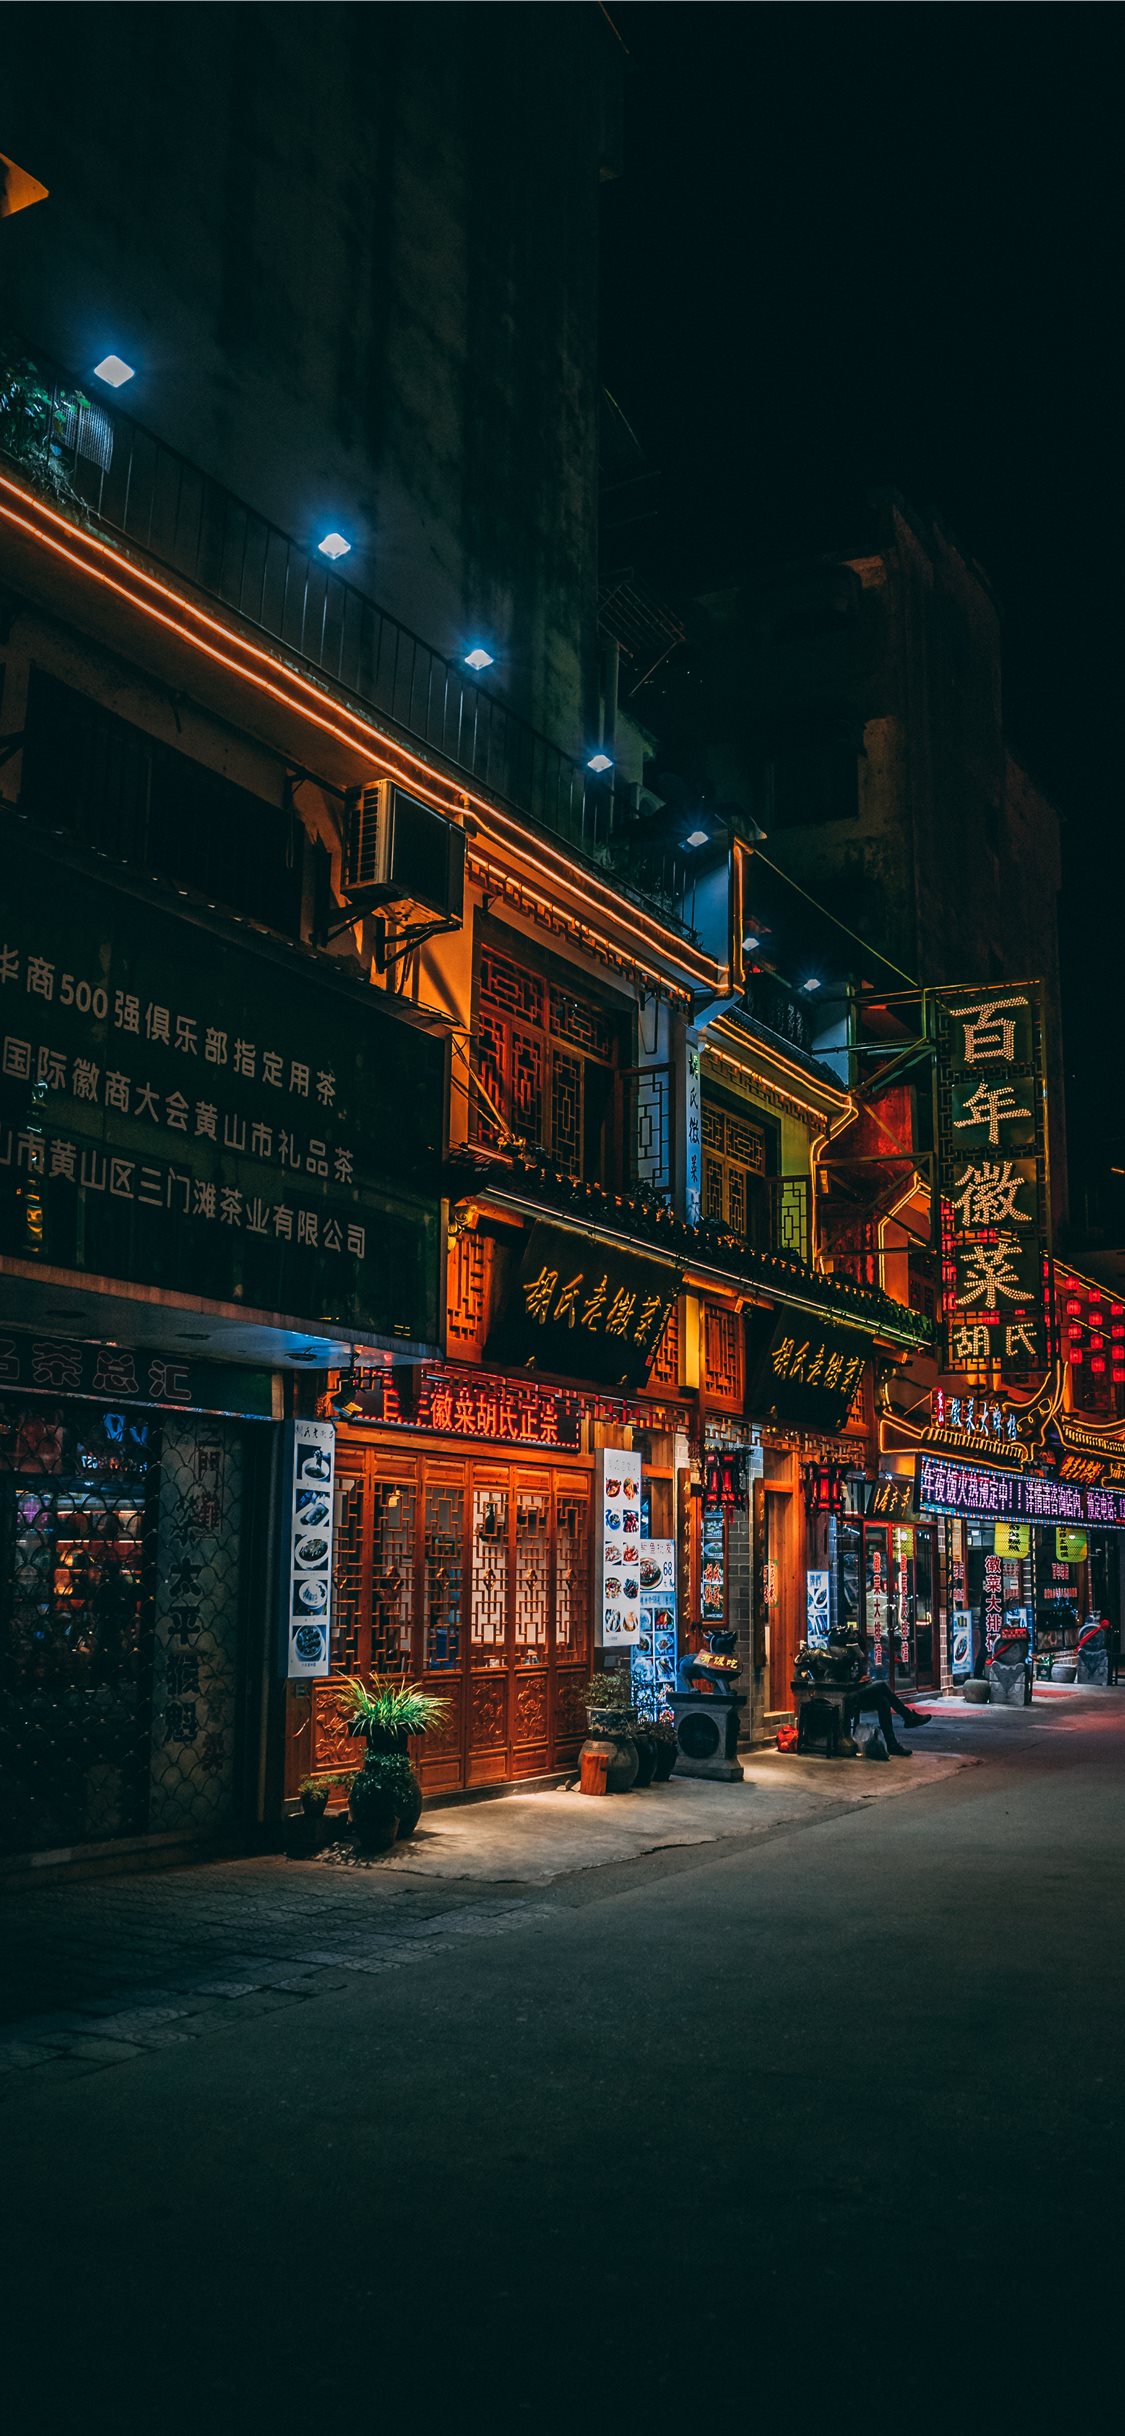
306, 1565
981, 1424
992, 1178
890, 1498
968, 1488
196, 1627
584, 1310
123, 1374
619, 1560
463, 1403
808, 1372
184, 1109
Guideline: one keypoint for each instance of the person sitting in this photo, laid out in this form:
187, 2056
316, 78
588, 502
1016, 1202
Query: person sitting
872, 1693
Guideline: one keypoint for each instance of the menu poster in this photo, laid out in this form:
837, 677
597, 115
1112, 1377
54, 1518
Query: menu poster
712, 1581
619, 1548
961, 1641
654, 1656
306, 1568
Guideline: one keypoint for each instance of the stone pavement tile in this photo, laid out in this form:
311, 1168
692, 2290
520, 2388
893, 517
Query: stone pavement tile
166, 2036
60, 2068
18, 2056
132, 2018
261, 2000
312, 1983
226, 1987
101, 2050
99, 2006
35, 2029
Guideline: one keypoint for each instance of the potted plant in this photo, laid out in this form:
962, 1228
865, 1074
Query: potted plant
304, 1828
663, 1730
384, 1714
374, 1803
608, 1706
645, 1741
611, 1719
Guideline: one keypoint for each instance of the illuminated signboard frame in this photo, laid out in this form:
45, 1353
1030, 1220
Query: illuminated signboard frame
948, 1486
990, 1132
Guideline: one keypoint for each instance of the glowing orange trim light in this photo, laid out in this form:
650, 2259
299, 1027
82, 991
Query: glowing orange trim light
357, 733
831, 1091
740, 1066
581, 931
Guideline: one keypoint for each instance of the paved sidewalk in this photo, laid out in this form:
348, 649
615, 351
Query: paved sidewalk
101, 1970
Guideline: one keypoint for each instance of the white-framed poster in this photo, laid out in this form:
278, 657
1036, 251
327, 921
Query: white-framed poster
618, 1523
816, 1608
306, 1555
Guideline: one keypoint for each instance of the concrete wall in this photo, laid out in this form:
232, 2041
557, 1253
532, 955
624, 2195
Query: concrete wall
352, 252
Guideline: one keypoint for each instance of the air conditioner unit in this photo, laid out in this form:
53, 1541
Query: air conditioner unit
399, 849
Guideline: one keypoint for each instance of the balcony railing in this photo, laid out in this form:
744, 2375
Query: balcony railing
530, 1180
128, 482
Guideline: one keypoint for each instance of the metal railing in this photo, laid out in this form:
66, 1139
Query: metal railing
133, 485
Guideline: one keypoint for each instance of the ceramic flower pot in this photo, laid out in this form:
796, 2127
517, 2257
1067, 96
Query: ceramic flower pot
646, 1760
620, 1757
374, 1813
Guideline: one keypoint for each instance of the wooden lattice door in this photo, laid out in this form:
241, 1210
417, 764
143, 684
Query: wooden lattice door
474, 1578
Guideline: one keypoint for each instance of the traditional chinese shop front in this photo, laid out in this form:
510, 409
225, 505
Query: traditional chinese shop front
466, 1553
809, 1395
467, 1545
1025, 1550
781, 1452
133, 1491
887, 1581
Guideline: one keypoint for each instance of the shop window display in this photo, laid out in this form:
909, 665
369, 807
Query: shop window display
119, 1621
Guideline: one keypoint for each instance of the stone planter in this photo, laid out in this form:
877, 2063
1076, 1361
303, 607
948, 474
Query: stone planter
619, 1755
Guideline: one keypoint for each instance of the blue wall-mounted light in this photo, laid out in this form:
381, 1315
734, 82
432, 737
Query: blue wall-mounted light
478, 659
334, 546
114, 371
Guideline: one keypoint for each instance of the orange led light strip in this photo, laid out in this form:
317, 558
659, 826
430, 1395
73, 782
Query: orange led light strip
744, 1067
233, 652
596, 942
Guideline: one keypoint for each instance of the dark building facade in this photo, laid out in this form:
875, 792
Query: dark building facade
351, 254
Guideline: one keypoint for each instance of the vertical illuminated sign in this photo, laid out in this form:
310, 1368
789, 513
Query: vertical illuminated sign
992, 1177
308, 1482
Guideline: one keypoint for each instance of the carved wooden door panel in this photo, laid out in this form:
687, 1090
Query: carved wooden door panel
491, 1523
531, 1623
443, 1580
473, 1578
571, 1652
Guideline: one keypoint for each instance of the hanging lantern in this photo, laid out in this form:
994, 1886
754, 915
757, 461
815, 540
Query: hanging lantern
724, 1482
824, 1488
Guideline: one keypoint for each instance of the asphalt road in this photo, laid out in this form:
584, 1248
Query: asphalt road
826, 2127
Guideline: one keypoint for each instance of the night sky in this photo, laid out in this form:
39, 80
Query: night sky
860, 245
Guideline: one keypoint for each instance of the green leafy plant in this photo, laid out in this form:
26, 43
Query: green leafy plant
392, 1772
606, 1691
383, 1711
33, 421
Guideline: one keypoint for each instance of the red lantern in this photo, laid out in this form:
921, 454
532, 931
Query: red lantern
824, 1488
